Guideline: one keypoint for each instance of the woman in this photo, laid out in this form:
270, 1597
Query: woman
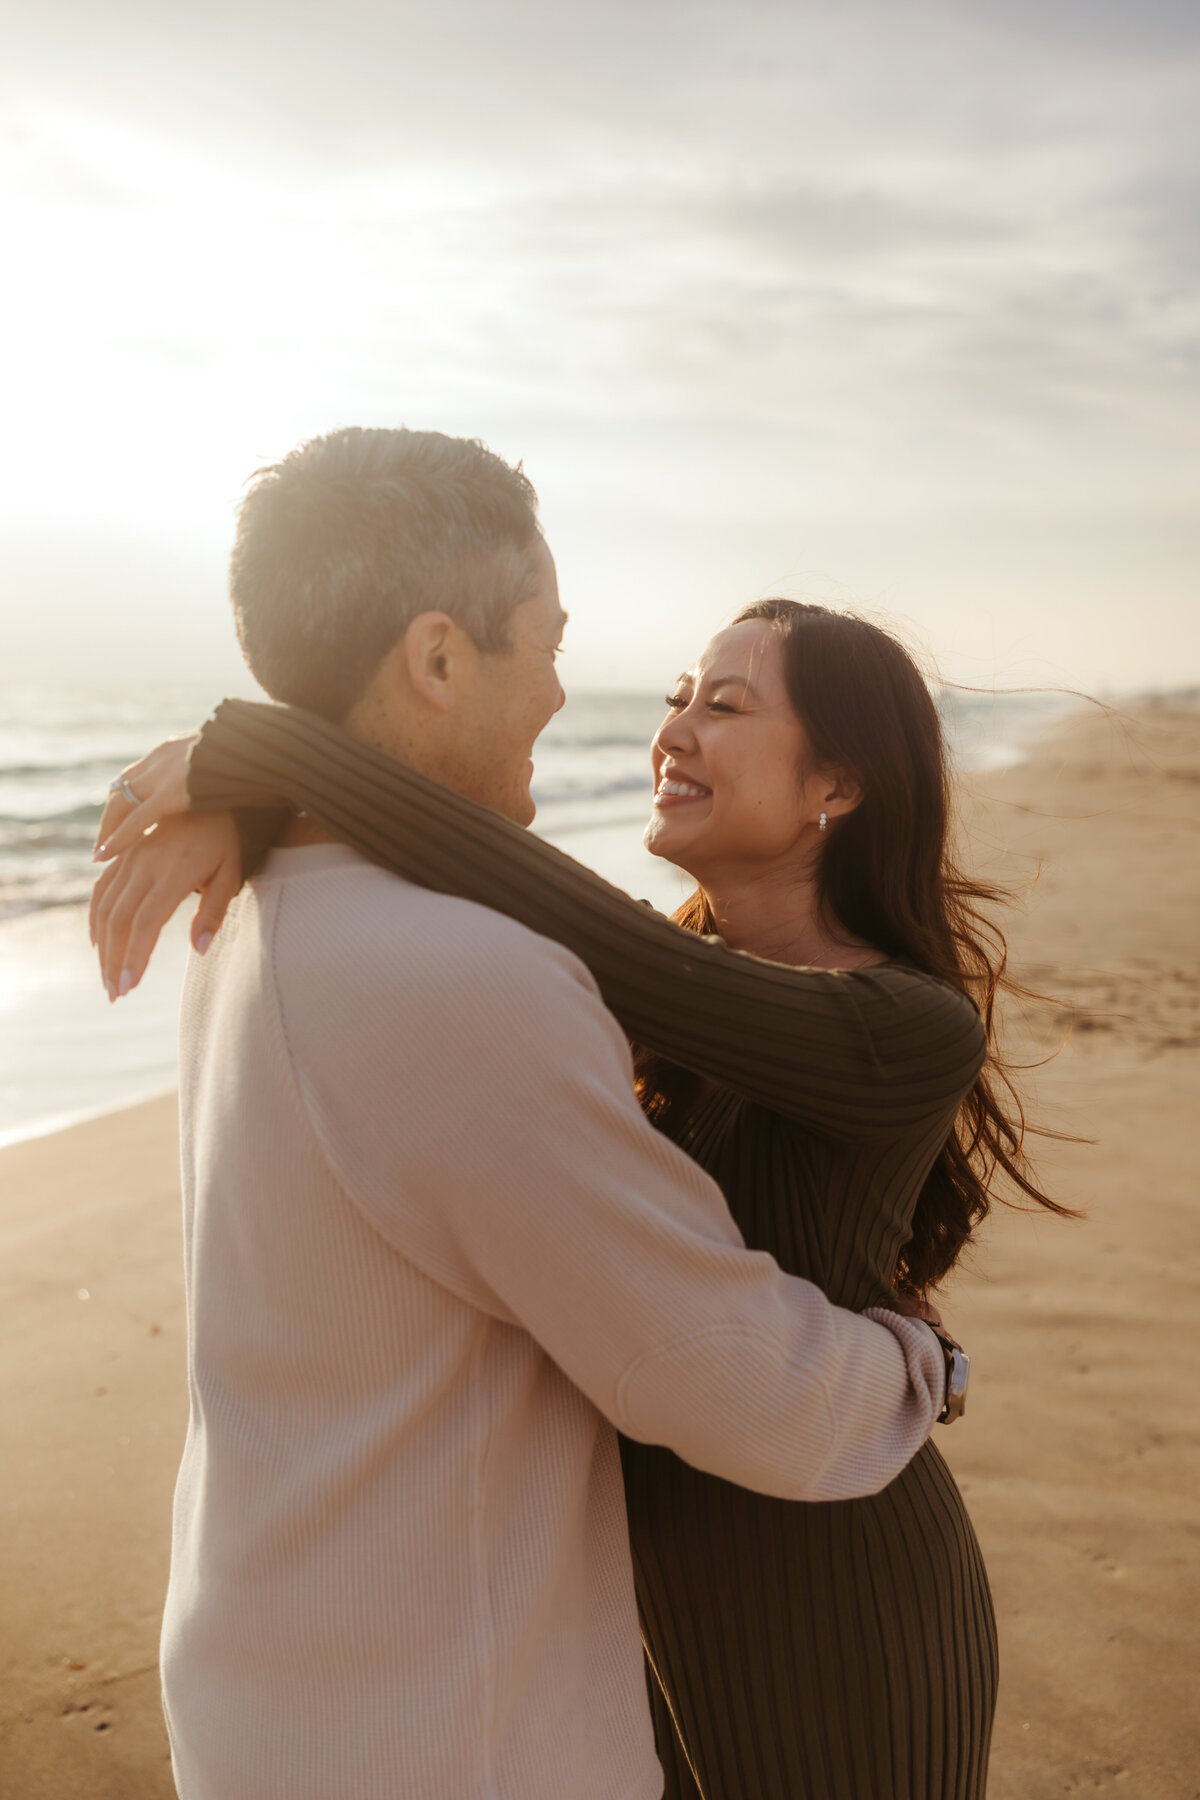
830, 1650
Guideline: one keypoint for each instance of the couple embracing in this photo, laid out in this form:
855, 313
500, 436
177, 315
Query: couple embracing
560, 1406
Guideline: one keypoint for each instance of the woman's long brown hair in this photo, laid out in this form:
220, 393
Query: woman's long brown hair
888, 875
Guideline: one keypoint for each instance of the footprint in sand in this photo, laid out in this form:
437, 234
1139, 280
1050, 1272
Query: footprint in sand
90, 1715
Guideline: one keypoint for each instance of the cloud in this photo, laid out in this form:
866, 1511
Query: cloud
923, 272
531, 82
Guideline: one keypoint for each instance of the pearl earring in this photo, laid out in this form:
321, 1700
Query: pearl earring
823, 822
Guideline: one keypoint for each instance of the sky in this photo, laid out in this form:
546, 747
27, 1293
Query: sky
891, 305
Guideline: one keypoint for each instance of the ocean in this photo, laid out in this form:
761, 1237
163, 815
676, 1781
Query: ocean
66, 1054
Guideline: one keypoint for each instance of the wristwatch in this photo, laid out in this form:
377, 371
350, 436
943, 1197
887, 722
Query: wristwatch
958, 1373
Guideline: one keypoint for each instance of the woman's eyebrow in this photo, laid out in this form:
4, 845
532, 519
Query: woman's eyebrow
742, 681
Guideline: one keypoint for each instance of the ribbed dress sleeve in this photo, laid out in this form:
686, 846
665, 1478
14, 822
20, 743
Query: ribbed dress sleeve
869, 1052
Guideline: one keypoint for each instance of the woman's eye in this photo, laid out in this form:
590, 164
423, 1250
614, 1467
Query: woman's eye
677, 702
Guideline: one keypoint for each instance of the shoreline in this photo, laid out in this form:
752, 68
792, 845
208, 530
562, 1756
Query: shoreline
66, 1055
612, 848
48, 1128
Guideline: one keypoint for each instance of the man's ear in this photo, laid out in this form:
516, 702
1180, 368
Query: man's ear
434, 652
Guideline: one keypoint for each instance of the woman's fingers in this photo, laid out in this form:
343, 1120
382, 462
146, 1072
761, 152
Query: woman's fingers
116, 810
144, 794
100, 888
156, 909
139, 892
118, 910
145, 929
107, 891
135, 823
214, 903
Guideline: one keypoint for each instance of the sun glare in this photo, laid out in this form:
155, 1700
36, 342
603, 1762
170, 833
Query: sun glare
188, 318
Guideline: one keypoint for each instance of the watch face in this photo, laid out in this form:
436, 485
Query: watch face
958, 1371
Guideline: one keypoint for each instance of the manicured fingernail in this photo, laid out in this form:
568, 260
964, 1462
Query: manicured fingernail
126, 980
203, 941
110, 989
98, 853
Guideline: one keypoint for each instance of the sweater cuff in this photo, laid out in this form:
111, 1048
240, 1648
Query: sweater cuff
259, 827
922, 1353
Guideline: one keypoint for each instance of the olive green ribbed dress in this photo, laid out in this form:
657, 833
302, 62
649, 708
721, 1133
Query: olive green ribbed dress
840, 1651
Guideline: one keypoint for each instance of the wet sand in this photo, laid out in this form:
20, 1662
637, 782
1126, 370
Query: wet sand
1079, 1452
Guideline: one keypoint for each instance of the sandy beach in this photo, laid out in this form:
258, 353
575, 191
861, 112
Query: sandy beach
1078, 1454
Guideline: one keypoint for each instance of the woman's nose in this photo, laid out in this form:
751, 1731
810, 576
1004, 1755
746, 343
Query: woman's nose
675, 733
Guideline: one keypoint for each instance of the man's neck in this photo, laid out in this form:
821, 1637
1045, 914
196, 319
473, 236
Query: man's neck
303, 830
369, 722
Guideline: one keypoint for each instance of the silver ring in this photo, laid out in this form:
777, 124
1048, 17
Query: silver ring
121, 786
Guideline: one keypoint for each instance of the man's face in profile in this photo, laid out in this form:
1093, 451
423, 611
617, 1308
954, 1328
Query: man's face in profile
516, 695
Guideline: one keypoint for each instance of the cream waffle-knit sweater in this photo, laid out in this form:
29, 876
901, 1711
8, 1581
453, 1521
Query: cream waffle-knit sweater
434, 1256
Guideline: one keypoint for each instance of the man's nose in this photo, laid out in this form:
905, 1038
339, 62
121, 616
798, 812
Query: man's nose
562, 698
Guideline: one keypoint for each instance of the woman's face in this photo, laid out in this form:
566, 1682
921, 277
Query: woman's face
730, 759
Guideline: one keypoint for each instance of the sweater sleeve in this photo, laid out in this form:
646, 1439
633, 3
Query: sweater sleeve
873, 1051
473, 1095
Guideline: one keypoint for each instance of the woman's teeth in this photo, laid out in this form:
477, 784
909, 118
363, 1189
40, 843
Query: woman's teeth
687, 790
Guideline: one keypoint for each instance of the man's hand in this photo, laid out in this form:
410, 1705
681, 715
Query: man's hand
139, 891
159, 784
914, 1308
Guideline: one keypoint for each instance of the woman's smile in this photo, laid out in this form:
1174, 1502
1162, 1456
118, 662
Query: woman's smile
676, 790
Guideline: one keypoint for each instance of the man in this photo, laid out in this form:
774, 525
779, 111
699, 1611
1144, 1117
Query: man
435, 1254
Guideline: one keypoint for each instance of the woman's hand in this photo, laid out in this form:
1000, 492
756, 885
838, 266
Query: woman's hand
139, 891
159, 784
